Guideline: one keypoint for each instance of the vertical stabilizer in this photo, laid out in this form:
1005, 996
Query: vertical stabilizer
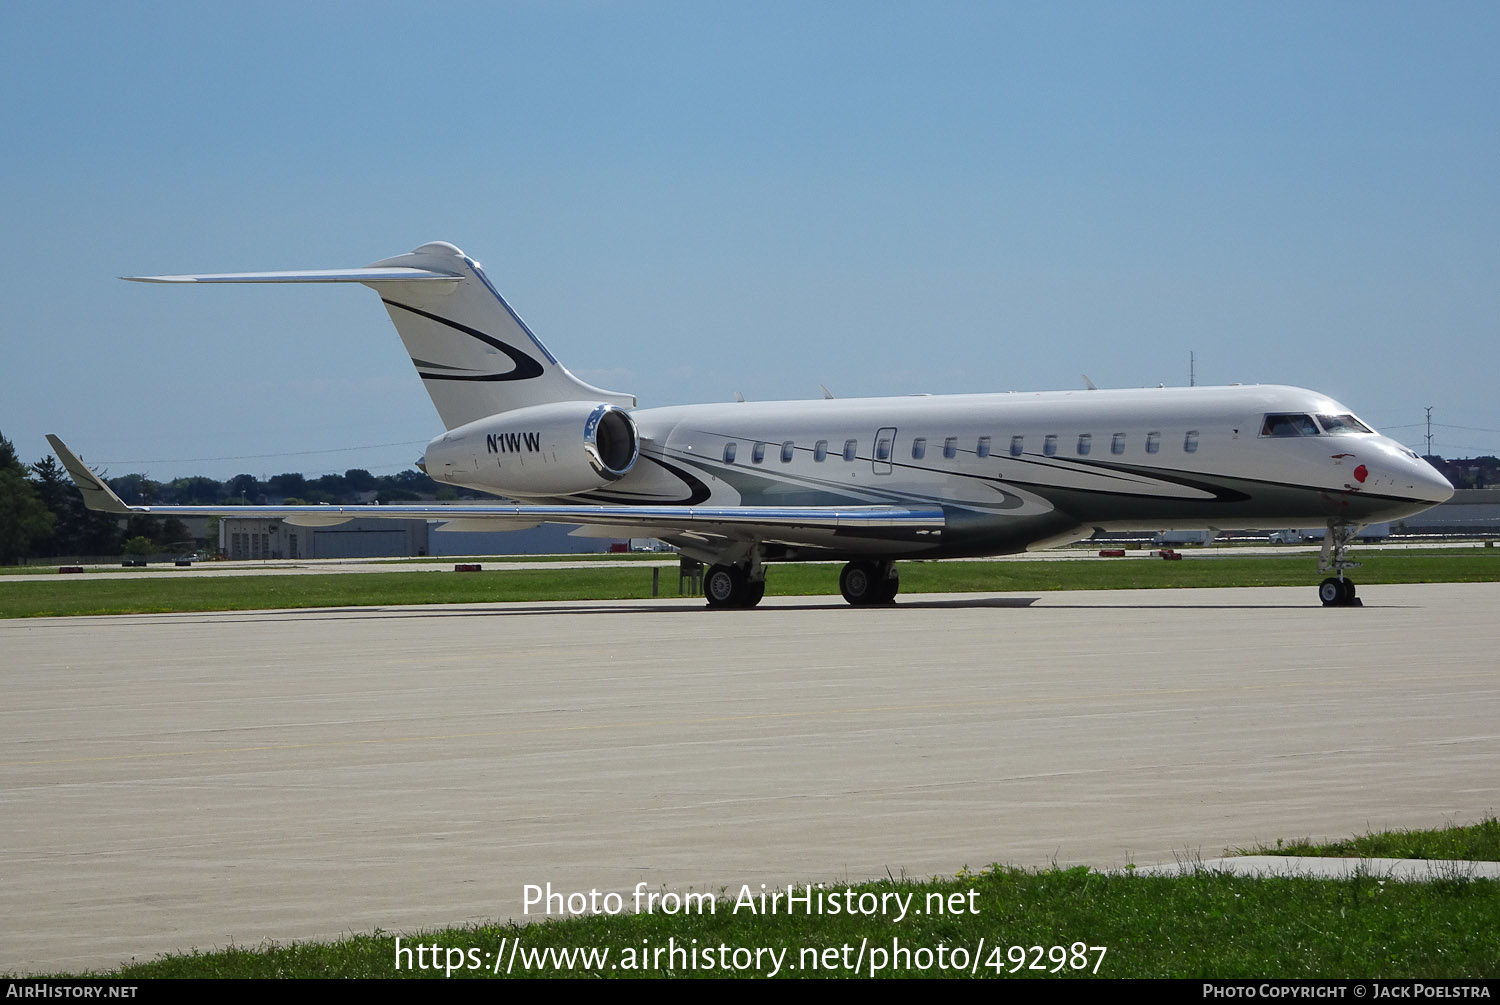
475, 355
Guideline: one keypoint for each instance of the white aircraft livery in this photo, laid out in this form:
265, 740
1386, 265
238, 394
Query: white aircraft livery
866, 481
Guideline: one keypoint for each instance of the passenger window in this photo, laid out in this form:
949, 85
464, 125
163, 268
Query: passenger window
758, 453
787, 449
950, 447
820, 451
1049, 445
1288, 424
1085, 442
1117, 445
1190, 442
1153, 442
919, 448
729, 451
851, 449
983, 449
883, 449
1017, 445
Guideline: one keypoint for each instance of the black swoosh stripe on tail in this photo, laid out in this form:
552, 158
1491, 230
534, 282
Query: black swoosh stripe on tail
526, 367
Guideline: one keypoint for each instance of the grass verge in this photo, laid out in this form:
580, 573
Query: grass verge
1200, 924
1477, 842
150, 594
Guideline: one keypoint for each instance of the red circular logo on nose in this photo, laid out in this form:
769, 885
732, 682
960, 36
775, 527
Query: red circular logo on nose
1361, 473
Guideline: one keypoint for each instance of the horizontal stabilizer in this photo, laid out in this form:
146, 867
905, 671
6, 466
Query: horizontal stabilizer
475, 355
369, 275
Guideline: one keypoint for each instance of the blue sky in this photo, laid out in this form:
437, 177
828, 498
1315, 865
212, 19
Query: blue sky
685, 200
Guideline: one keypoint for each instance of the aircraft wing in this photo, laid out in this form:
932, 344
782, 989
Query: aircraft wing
811, 525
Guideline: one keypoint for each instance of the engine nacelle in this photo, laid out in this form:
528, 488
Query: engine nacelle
559, 449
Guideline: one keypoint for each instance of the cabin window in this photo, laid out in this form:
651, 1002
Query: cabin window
1049, 445
1153, 442
730, 449
1190, 442
919, 448
1342, 425
787, 449
983, 449
883, 449
1085, 443
851, 449
758, 453
1017, 445
820, 451
1289, 424
1117, 444
950, 447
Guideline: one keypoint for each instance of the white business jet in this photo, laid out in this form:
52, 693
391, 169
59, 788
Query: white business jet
867, 481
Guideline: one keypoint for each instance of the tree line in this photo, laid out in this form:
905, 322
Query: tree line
42, 513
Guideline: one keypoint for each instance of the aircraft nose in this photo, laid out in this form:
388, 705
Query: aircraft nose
1428, 484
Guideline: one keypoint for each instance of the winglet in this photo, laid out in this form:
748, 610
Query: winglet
96, 494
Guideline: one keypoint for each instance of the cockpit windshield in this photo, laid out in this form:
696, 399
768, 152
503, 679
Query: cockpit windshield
1288, 424
1342, 425
1298, 424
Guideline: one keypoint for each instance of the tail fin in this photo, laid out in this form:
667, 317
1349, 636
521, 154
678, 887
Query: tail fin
475, 355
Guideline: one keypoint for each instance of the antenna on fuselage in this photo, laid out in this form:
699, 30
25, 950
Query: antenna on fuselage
1192, 369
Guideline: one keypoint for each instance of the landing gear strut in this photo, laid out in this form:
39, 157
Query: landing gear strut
869, 583
1336, 591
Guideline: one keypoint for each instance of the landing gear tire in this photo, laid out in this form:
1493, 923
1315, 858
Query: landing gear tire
730, 586
864, 583
724, 586
1334, 592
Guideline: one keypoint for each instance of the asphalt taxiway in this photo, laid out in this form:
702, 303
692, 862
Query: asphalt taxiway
179, 781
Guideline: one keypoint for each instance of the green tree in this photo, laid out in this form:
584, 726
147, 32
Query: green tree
57, 493
24, 518
195, 491
139, 545
359, 480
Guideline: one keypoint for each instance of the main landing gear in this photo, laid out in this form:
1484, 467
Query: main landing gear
733, 585
1336, 591
743, 584
864, 583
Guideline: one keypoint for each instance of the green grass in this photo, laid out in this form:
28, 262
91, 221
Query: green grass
1201, 924
69, 596
155, 594
1478, 842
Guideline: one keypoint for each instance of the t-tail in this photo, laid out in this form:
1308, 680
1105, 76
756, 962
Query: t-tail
475, 355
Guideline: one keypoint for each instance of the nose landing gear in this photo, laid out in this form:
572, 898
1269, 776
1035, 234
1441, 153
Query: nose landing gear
1336, 591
